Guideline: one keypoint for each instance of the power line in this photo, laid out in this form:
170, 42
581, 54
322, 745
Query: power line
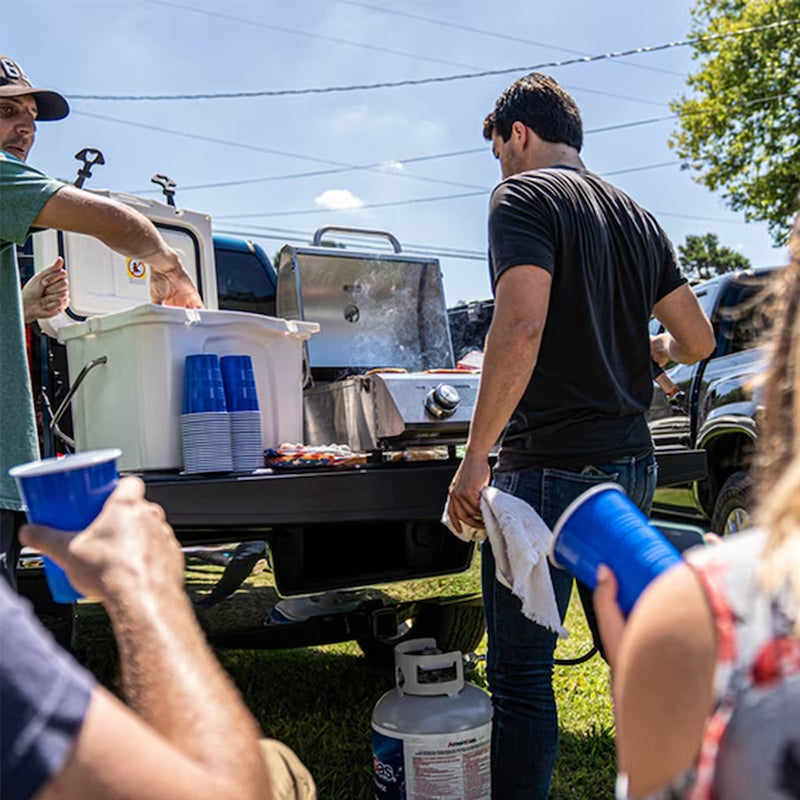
341, 167
257, 232
309, 35
413, 201
378, 166
439, 79
212, 139
701, 219
625, 171
493, 34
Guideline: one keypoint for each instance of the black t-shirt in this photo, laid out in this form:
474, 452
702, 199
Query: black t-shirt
610, 262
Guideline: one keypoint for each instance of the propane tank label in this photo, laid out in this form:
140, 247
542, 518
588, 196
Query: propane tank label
445, 766
137, 270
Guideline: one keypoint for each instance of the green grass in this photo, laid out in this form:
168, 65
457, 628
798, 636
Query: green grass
319, 700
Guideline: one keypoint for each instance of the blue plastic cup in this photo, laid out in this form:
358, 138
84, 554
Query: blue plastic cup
603, 526
239, 379
66, 493
203, 389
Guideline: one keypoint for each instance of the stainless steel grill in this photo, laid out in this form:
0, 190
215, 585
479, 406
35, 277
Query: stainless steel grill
381, 368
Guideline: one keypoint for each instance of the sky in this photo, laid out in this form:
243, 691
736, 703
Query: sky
409, 159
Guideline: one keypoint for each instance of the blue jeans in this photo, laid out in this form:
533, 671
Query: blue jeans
519, 662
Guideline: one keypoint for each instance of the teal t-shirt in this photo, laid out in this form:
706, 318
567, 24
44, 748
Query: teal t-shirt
23, 192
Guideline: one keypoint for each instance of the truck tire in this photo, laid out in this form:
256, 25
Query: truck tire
733, 506
454, 626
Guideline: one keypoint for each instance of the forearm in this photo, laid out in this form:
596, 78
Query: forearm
136, 237
118, 226
685, 355
173, 681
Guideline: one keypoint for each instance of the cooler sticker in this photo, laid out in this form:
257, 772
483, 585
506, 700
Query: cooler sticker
137, 270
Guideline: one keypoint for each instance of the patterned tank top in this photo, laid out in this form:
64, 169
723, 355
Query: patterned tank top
751, 744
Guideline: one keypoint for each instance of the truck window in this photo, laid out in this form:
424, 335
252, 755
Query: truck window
744, 314
243, 284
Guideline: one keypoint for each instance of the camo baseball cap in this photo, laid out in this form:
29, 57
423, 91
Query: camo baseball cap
14, 82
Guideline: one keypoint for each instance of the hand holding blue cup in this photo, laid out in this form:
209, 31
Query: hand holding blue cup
68, 494
603, 526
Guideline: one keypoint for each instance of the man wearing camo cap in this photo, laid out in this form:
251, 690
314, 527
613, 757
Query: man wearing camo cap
186, 732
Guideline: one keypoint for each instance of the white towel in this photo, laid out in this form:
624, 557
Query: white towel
520, 541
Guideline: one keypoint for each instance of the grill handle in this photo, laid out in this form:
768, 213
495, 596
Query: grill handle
355, 231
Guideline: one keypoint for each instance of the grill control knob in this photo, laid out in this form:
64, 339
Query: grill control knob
442, 401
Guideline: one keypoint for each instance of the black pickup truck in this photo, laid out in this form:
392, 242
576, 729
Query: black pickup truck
704, 433
715, 412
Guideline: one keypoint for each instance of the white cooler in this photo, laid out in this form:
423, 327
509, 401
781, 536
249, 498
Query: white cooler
134, 400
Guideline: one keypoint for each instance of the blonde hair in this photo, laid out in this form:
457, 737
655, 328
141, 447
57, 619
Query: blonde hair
778, 475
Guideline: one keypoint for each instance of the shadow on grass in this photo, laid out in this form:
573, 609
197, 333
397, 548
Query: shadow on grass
320, 704
320, 700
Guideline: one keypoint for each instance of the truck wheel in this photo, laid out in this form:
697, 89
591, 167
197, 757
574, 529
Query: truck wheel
454, 626
732, 509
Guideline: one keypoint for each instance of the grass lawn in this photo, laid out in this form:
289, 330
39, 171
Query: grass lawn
319, 700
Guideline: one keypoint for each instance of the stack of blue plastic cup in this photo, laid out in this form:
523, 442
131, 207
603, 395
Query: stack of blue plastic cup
241, 397
603, 526
205, 422
66, 493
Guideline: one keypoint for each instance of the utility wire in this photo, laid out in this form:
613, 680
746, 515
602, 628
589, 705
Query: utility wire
305, 238
309, 35
493, 34
341, 167
383, 167
414, 201
384, 50
627, 170
439, 79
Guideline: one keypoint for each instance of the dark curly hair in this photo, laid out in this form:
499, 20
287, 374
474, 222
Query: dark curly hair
540, 104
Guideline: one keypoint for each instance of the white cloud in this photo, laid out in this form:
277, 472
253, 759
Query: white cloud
338, 199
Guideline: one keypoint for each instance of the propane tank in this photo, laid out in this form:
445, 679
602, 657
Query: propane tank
431, 734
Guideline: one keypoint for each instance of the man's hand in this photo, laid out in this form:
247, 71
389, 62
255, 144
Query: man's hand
171, 285
46, 293
610, 619
128, 550
465, 492
659, 348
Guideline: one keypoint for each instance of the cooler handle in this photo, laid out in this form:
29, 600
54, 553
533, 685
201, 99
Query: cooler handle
317, 241
95, 362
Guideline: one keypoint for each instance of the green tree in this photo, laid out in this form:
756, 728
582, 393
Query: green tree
702, 257
738, 125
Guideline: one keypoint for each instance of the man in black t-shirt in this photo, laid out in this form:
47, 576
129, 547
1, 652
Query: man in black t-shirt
577, 268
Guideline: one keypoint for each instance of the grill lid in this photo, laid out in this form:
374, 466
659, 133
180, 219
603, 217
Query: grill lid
375, 309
